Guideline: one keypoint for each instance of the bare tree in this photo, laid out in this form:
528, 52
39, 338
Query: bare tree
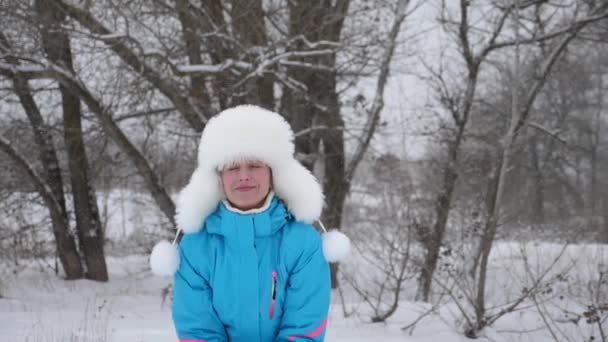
55, 201
66, 247
519, 118
385, 219
195, 58
459, 104
57, 47
241, 60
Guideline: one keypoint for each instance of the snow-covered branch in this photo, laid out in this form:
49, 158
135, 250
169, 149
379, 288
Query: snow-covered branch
28, 71
304, 65
166, 86
213, 68
105, 116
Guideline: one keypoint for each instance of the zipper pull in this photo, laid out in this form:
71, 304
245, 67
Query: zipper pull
273, 293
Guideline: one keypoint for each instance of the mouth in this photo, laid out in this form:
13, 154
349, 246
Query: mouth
245, 188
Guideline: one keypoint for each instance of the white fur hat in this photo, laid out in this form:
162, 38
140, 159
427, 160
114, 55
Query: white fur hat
242, 133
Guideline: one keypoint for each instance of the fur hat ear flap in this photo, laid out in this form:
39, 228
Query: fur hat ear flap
336, 245
298, 187
198, 200
164, 259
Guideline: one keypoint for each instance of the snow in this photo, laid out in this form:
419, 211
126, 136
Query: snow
110, 36
39, 306
216, 68
36, 305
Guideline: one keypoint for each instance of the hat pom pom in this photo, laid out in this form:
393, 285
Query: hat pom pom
336, 246
164, 259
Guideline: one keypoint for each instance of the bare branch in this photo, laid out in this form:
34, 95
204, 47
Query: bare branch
313, 129
104, 115
144, 113
573, 27
554, 134
495, 34
109, 125
541, 78
463, 34
191, 114
373, 114
29, 171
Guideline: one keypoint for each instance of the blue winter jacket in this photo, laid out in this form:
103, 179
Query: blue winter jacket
252, 277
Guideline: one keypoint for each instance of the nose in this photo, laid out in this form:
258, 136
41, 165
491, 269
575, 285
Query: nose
244, 174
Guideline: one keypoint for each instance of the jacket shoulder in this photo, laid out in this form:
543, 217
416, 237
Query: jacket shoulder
300, 243
301, 233
193, 241
196, 248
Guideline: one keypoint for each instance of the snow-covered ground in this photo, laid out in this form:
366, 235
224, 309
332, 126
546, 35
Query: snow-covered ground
40, 307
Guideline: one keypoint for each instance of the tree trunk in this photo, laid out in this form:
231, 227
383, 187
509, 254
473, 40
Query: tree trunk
165, 85
442, 211
595, 198
490, 199
335, 185
318, 20
70, 261
66, 244
605, 217
198, 91
299, 110
519, 118
65, 241
88, 225
248, 24
460, 108
105, 117
538, 203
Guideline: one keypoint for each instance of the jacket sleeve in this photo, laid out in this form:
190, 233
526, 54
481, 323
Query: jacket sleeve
194, 317
307, 295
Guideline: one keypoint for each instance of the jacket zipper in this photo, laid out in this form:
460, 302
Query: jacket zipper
273, 293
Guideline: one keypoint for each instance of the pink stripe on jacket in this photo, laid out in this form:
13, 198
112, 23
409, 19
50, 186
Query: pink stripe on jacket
312, 334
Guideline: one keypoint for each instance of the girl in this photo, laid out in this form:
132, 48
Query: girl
250, 266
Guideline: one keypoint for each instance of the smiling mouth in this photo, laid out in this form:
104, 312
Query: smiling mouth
245, 188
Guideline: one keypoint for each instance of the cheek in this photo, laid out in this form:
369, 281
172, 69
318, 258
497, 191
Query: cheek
263, 177
227, 179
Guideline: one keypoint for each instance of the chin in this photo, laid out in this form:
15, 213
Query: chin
248, 204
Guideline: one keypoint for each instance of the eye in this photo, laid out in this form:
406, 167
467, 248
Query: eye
257, 165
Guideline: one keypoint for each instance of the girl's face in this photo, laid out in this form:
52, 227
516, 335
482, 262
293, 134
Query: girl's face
246, 184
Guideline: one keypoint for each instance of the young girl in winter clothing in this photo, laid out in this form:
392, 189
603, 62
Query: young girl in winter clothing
250, 266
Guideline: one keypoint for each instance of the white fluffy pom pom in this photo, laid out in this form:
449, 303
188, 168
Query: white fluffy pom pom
164, 259
336, 246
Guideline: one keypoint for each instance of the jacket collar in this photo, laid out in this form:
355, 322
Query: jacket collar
226, 222
263, 208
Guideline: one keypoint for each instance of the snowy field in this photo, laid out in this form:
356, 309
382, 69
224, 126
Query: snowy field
40, 307
37, 306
